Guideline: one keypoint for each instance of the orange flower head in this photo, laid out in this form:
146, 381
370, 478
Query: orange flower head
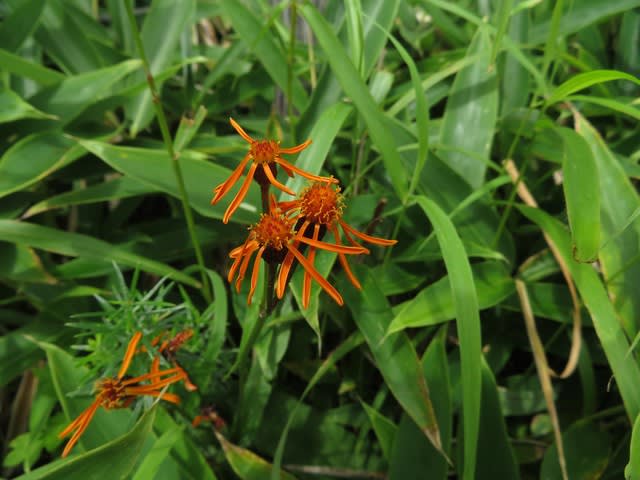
168, 349
266, 154
118, 392
275, 240
321, 205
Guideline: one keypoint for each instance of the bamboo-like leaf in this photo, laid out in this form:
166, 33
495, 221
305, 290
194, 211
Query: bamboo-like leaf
585, 80
468, 322
78, 245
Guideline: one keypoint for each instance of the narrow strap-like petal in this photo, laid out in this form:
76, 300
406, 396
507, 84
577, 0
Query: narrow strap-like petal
302, 173
343, 260
274, 181
296, 149
316, 276
128, 356
335, 248
306, 282
222, 189
254, 274
365, 237
87, 415
240, 130
235, 203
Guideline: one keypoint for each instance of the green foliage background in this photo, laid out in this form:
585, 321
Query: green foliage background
425, 110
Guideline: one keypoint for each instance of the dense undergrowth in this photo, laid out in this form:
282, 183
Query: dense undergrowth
496, 141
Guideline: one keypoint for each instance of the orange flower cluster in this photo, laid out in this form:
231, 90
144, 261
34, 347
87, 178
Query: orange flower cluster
120, 391
288, 226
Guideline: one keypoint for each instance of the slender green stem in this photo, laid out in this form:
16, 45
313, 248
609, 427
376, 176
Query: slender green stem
168, 142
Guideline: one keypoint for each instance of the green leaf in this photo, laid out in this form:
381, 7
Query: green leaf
34, 158
246, 464
164, 23
470, 115
385, 430
615, 105
256, 33
20, 24
582, 194
605, 319
153, 168
586, 449
435, 304
115, 459
585, 80
188, 128
75, 93
78, 245
468, 322
19, 66
158, 454
117, 189
13, 107
355, 88
394, 355
632, 470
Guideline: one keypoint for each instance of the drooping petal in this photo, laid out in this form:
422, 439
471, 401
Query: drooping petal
343, 260
274, 181
367, 238
222, 189
254, 273
150, 376
316, 276
359, 250
302, 173
296, 149
288, 263
241, 131
247, 249
84, 420
128, 356
306, 283
243, 271
233, 206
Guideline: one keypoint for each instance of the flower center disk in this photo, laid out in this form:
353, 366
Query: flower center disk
264, 151
111, 392
320, 203
273, 230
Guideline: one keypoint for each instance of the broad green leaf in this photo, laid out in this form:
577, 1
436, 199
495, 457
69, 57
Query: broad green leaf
386, 431
618, 201
257, 35
515, 80
581, 14
117, 189
411, 457
158, 453
153, 168
587, 449
246, 464
78, 245
496, 458
19, 263
19, 66
585, 80
164, 23
20, 24
435, 304
75, 93
394, 355
468, 322
323, 134
605, 318
34, 158
13, 107
470, 115
188, 128
355, 88
19, 349
115, 459
582, 195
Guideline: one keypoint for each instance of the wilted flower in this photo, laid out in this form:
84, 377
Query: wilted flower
265, 154
168, 349
119, 393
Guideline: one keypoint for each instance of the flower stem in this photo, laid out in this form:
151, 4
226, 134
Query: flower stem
168, 142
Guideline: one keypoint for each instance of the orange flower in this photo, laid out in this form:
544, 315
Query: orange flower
276, 241
168, 349
266, 154
119, 393
322, 205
